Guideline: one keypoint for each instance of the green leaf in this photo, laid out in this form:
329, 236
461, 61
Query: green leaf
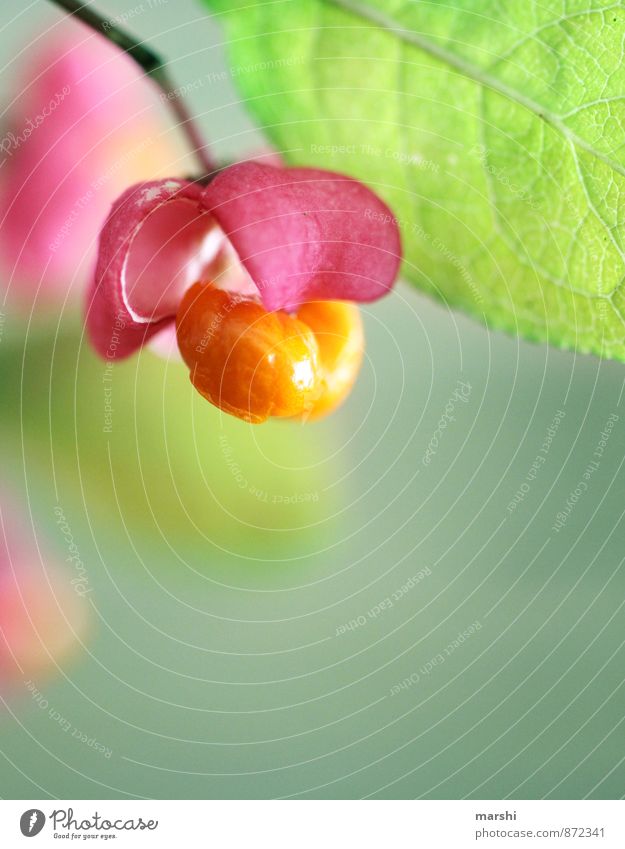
494, 130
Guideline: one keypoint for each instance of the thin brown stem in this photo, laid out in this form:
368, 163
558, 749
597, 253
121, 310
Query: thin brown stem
152, 66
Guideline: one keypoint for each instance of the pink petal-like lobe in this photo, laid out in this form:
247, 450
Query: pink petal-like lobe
155, 243
305, 234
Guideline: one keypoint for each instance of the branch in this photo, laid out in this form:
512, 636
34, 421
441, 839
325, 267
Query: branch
152, 66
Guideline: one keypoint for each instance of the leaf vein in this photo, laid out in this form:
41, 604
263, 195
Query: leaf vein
471, 71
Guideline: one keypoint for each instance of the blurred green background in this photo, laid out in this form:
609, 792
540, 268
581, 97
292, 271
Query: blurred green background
227, 562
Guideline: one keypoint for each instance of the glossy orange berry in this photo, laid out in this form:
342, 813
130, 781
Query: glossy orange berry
245, 360
338, 329
255, 364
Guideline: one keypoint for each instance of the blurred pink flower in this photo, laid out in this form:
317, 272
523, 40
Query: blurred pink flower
44, 611
84, 124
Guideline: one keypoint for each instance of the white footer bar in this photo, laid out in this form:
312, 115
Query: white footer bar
314, 824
